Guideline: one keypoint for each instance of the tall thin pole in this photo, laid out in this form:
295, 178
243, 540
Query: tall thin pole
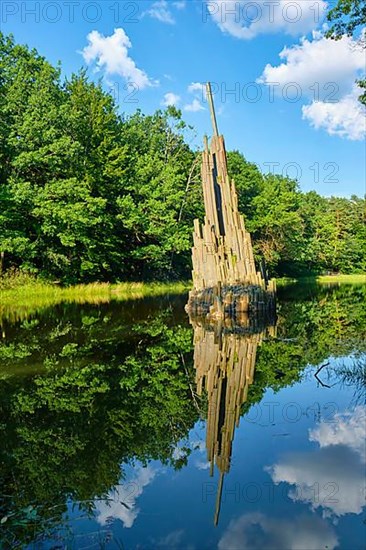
212, 108
218, 499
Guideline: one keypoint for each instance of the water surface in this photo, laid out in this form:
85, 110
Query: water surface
123, 425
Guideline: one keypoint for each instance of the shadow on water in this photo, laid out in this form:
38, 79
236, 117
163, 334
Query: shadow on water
88, 390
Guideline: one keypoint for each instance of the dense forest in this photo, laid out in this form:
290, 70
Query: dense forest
90, 194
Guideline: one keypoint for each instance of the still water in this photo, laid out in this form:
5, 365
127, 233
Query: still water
123, 425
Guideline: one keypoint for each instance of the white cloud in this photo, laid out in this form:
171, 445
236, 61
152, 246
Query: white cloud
197, 87
347, 428
345, 119
178, 453
331, 478
245, 19
322, 71
170, 99
121, 502
161, 11
202, 465
194, 107
258, 532
171, 540
110, 53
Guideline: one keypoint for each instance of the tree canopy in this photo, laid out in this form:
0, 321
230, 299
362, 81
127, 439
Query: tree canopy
90, 194
348, 17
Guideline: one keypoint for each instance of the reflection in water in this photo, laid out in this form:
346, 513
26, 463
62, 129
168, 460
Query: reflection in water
224, 360
338, 466
256, 531
96, 400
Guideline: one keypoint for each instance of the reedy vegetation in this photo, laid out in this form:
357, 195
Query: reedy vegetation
88, 194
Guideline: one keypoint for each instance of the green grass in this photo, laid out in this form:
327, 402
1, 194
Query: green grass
20, 301
359, 278
22, 295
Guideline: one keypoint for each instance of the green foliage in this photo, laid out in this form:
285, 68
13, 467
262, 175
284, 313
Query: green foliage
87, 404
276, 225
90, 195
86, 194
348, 17
248, 181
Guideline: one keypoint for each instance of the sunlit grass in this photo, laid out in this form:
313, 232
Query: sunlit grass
23, 300
359, 278
23, 295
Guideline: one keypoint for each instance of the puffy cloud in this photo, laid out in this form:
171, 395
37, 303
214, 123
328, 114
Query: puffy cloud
345, 119
202, 465
245, 19
323, 71
171, 540
170, 99
180, 4
347, 428
160, 11
194, 107
121, 501
331, 478
197, 88
110, 53
259, 532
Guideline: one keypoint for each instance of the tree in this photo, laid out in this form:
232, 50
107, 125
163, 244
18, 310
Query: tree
276, 224
248, 181
348, 17
154, 191
89, 194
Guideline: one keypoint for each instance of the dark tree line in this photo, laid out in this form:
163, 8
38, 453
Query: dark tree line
88, 194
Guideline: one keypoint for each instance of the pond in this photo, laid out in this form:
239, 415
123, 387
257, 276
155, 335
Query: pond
125, 425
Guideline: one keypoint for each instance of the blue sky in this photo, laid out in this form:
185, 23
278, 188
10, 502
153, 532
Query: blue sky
293, 104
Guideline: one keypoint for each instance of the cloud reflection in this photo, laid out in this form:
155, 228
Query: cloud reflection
332, 477
259, 532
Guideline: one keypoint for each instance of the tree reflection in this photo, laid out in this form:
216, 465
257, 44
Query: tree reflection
87, 389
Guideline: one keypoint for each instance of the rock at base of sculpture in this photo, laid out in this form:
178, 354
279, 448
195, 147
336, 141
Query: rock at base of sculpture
232, 301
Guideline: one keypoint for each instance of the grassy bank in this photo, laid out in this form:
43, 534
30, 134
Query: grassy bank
359, 278
35, 295
22, 295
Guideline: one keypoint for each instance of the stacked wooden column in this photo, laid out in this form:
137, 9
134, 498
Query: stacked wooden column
222, 251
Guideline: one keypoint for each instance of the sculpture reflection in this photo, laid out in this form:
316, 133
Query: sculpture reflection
224, 360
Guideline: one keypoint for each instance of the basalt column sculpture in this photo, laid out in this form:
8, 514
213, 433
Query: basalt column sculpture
225, 277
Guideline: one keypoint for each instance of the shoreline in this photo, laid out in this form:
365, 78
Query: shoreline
45, 294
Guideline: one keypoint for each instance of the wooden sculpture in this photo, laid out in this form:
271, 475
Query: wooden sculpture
222, 254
